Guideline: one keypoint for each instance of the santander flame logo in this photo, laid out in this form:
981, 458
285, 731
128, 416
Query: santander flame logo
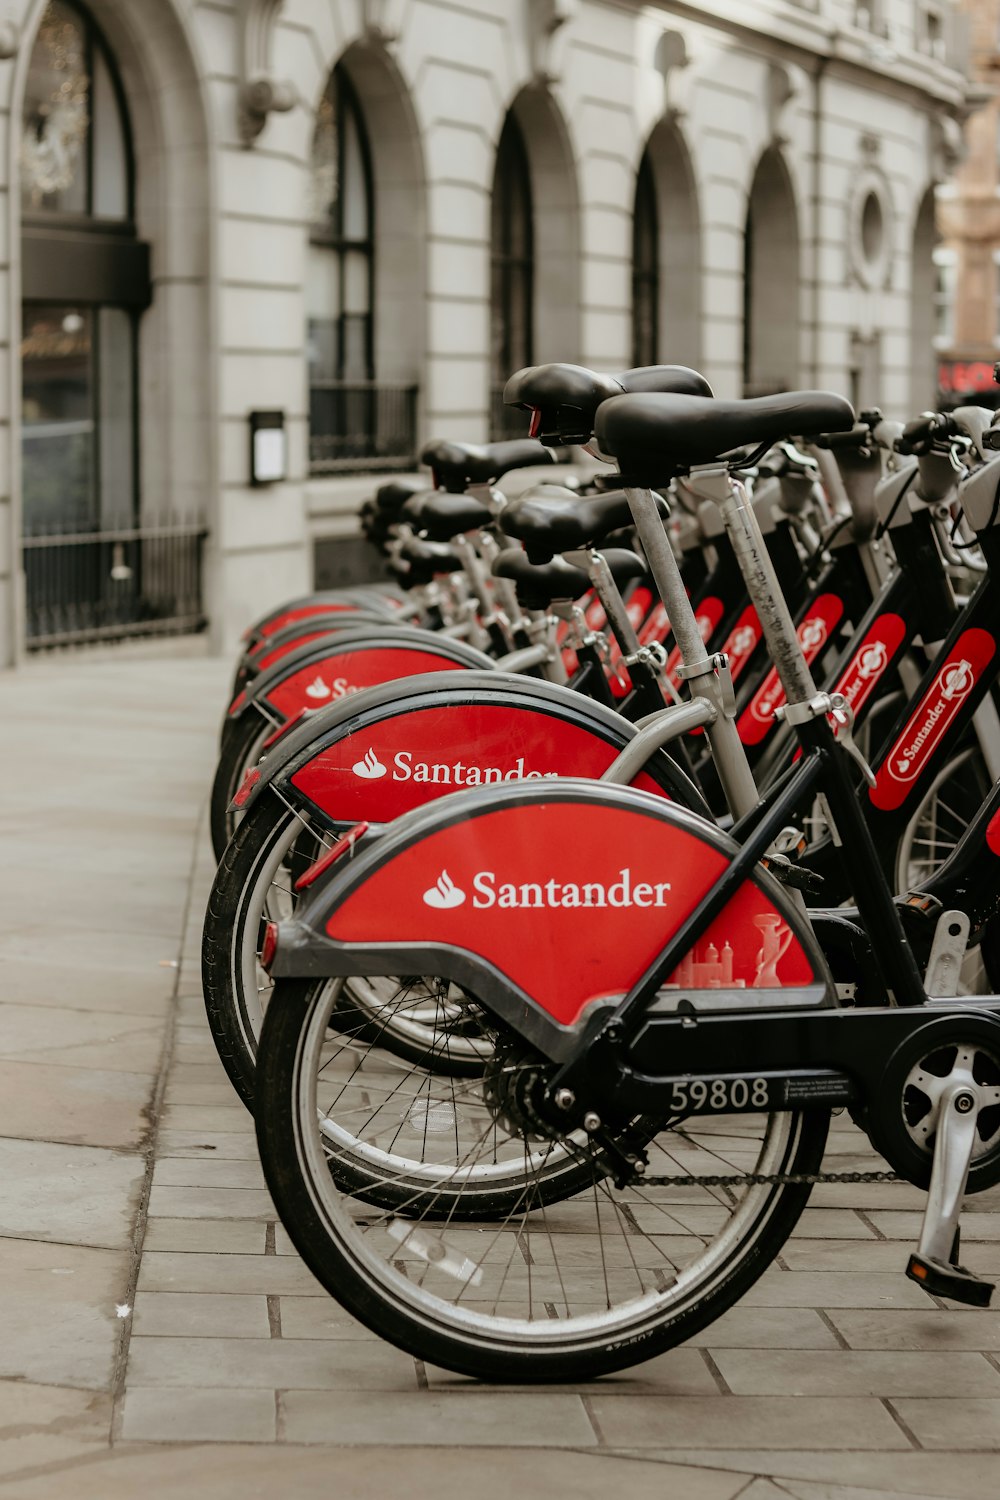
317, 689
872, 660
812, 634
958, 681
369, 768
444, 893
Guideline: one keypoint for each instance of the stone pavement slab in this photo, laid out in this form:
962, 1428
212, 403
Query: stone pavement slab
57, 1313
78, 1194
852, 1423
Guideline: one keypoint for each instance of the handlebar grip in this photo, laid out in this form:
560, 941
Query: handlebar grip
859, 435
920, 435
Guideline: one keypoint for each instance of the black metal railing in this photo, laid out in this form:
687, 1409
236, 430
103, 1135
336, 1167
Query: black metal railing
94, 585
361, 425
506, 421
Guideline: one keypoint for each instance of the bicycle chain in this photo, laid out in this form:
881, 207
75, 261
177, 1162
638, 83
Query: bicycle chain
767, 1179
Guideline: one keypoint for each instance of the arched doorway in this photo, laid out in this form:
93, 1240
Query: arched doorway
666, 258
925, 297
770, 281
85, 283
535, 264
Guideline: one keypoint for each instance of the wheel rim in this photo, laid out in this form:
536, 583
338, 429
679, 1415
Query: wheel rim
605, 1264
941, 819
400, 1119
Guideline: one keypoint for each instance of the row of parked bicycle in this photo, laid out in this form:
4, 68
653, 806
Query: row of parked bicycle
566, 884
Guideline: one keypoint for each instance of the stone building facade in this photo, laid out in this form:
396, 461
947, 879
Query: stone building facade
353, 216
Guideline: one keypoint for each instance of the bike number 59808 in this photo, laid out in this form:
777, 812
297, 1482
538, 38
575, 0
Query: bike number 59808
698, 1095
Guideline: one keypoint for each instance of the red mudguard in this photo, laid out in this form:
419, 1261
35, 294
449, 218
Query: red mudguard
546, 901
341, 665
407, 743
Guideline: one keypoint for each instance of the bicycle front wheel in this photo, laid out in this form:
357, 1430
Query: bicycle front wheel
569, 1277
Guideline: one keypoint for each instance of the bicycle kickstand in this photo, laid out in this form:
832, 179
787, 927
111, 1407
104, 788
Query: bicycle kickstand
934, 1266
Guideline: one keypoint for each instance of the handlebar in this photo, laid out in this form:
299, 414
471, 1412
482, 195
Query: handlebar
920, 435
857, 437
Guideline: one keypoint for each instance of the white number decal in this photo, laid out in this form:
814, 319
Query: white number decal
718, 1093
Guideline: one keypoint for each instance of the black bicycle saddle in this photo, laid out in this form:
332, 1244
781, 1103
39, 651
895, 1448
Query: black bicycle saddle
441, 515
457, 465
538, 584
390, 498
563, 399
652, 436
550, 521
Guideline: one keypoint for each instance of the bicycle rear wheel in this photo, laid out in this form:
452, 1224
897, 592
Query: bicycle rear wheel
572, 1277
254, 884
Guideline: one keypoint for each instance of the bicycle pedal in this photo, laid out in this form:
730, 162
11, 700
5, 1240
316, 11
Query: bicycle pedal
942, 1279
795, 876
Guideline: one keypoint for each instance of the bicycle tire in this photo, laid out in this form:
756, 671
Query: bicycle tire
257, 844
310, 1196
241, 742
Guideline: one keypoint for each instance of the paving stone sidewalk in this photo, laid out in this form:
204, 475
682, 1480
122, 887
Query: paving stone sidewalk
160, 1335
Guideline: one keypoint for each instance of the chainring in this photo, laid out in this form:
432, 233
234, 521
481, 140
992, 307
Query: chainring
900, 1118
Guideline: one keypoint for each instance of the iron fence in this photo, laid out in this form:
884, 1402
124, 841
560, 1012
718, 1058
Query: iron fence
104, 585
361, 425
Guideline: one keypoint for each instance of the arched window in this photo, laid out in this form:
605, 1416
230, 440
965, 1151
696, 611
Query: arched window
770, 282
340, 282
75, 151
85, 280
645, 268
513, 273
666, 253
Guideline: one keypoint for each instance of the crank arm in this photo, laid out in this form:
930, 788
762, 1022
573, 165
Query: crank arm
931, 1266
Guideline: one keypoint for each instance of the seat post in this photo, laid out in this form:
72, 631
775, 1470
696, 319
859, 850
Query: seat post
762, 584
699, 668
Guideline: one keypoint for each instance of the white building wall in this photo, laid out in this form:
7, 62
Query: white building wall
229, 232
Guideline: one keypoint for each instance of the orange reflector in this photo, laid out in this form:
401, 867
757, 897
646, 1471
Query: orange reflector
332, 855
917, 1270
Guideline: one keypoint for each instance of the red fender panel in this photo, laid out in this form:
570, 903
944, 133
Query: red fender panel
572, 900
408, 760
